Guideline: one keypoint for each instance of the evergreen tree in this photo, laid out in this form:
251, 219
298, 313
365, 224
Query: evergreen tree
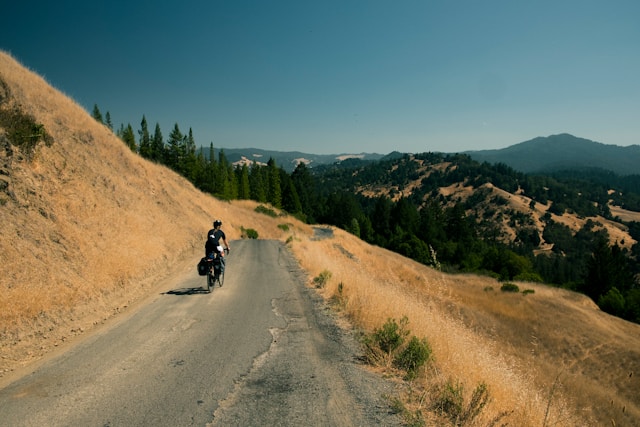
305, 187
244, 190
157, 152
108, 121
188, 165
607, 268
290, 200
274, 190
97, 115
129, 138
223, 187
381, 219
258, 183
175, 149
145, 139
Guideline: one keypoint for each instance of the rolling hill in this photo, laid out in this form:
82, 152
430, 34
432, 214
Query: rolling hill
89, 229
288, 160
564, 151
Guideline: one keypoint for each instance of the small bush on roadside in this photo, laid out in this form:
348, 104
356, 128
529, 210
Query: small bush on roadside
388, 346
248, 233
321, 280
528, 291
413, 356
450, 403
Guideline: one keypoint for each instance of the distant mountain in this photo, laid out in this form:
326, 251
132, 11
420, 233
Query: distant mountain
288, 160
563, 151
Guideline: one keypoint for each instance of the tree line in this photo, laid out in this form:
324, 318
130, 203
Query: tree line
424, 225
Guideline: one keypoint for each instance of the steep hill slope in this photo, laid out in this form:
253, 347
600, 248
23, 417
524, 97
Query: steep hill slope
564, 151
88, 228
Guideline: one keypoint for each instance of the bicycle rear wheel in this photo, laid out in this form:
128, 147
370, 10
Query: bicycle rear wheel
210, 282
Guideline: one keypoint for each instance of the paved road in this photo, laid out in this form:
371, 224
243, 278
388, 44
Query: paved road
258, 351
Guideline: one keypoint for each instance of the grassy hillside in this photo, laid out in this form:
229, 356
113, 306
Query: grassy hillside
89, 228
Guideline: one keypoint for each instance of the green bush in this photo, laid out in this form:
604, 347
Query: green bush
449, 402
321, 280
248, 233
612, 302
388, 346
528, 291
22, 130
509, 287
267, 211
283, 227
391, 336
413, 356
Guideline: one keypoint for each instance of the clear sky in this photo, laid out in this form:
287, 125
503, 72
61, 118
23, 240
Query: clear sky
343, 76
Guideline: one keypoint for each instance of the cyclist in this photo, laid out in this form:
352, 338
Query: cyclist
213, 242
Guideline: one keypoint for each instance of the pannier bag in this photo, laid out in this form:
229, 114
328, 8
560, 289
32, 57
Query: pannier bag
203, 267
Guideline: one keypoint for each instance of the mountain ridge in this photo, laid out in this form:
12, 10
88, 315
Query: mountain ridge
563, 151
542, 154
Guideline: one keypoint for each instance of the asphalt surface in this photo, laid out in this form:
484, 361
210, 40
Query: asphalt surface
263, 350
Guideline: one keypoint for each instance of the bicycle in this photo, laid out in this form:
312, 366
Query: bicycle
216, 272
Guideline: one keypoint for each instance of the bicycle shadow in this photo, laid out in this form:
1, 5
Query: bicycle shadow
187, 291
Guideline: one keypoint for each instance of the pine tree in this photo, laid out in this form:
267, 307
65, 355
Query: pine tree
129, 138
156, 152
108, 121
175, 149
306, 189
97, 115
290, 200
189, 160
145, 139
274, 195
257, 183
244, 190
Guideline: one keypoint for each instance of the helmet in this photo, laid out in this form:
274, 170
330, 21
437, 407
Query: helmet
217, 223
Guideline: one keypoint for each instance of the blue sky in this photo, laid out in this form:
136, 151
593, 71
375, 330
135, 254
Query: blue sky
349, 76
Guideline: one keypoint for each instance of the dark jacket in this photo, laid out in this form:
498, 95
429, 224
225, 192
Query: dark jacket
213, 240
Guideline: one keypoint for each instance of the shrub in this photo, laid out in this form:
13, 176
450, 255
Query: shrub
283, 227
529, 277
509, 287
612, 302
391, 336
449, 402
23, 131
321, 280
387, 346
413, 356
267, 211
248, 233
528, 291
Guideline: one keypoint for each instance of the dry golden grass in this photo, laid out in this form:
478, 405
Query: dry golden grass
524, 347
89, 228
